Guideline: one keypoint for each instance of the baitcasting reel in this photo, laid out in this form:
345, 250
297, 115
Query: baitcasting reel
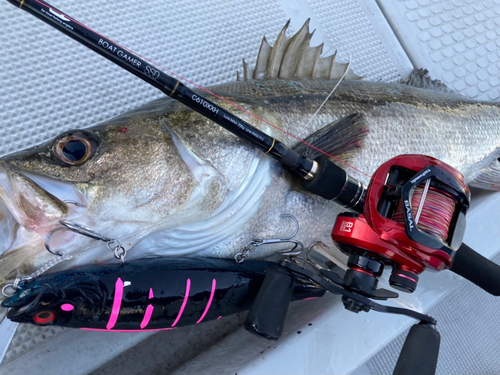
415, 220
411, 217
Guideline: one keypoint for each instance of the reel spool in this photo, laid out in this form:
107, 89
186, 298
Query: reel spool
415, 221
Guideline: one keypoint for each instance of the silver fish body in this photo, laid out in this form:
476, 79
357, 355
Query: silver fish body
399, 119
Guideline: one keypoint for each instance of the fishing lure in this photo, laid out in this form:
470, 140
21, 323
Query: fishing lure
148, 294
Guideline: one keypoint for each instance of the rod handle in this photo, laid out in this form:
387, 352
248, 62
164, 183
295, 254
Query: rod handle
477, 269
420, 351
333, 183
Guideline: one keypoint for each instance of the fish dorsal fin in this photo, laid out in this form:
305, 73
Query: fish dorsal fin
420, 78
294, 58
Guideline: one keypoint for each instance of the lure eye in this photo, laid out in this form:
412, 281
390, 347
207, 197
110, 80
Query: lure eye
44, 317
75, 148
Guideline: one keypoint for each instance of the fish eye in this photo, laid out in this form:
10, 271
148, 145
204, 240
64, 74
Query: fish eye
75, 148
44, 317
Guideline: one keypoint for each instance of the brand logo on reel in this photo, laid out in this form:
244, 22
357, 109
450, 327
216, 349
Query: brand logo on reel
410, 216
420, 176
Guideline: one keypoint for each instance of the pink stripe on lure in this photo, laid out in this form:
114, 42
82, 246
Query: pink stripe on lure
126, 330
149, 311
186, 296
117, 303
67, 307
209, 301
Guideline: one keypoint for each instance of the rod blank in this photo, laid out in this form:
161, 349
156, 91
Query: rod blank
168, 85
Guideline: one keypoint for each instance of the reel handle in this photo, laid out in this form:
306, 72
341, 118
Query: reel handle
477, 269
420, 351
266, 317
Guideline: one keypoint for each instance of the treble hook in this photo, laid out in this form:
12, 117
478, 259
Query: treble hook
252, 245
74, 227
113, 245
307, 259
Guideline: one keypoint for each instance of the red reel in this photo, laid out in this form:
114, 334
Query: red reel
413, 221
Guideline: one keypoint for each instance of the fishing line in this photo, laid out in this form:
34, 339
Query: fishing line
436, 211
334, 88
312, 171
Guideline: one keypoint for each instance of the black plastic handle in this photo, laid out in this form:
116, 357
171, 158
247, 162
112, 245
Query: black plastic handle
333, 183
477, 269
267, 315
420, 351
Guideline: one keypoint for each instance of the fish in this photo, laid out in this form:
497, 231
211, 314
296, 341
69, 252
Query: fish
145, 295
164, 181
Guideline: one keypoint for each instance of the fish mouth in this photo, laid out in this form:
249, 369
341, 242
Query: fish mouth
31, 206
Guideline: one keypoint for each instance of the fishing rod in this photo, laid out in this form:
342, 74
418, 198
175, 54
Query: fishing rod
373, 236
321, 177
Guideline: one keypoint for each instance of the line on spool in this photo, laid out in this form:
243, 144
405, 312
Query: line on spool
437, 211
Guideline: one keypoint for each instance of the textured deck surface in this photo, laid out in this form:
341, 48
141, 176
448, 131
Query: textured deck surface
457, 41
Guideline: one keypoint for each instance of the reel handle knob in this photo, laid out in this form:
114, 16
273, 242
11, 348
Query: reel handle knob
266, 317
404, 281
477, 269
420, 351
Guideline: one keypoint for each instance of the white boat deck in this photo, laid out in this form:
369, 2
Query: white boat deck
49, 84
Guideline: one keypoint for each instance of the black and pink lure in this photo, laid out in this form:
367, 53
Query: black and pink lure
150, 294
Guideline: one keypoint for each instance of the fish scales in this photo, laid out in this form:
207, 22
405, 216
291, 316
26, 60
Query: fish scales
399, 118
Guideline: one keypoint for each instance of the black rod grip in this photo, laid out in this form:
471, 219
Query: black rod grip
420, 351
477, 269
267, 315
333, 183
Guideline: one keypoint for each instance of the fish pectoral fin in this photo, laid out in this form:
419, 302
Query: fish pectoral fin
294, 58
201, 169
339, 137
420, 78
